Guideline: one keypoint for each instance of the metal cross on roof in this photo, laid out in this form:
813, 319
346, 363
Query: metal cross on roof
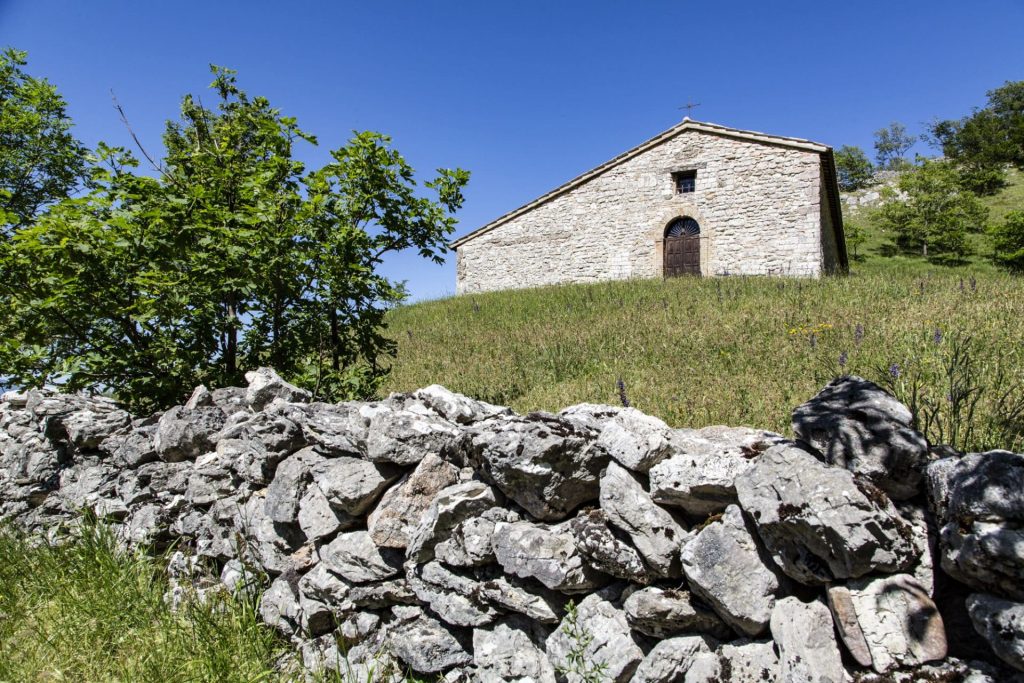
689, 107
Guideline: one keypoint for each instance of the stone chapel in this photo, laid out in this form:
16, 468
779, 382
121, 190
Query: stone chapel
699, 199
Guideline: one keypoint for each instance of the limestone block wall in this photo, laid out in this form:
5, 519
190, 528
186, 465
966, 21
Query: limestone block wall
758, 205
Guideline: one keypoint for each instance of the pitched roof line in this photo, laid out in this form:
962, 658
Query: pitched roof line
687, 124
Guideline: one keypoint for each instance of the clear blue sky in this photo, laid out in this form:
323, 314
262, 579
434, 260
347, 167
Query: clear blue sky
525, 94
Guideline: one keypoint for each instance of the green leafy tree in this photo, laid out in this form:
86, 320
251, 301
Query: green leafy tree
891, 146
233, 256
40, 160
855, 237
930, 211
1008, 240
853, 168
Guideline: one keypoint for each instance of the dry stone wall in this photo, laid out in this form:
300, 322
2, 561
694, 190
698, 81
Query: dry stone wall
759, 206
434, 534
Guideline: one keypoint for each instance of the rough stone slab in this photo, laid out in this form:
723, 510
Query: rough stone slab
978, 502
456, 407
279, 606
547, 554
612, 644
672, 658
317, 519
657, 536
540, 605
450, 506
426, 646
605, 551
854, 423
819, 522
888, 622
353, 556
506, 652
749, 662
469, 544
399, 511
183, 434
700, 476
635, 440
726, 566
403, 437
451, 596
289, 484
1001, 623
335, 428
663, 613
265, 385
805, 637
352, 485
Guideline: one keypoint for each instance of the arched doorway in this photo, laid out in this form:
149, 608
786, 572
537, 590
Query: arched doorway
682, 247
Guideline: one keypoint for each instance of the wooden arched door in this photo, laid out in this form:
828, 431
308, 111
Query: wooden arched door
682, 247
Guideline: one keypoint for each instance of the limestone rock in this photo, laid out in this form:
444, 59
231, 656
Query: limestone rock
279, 606
317, 519
450, 596
289, 484
726, 566
856, 424
334, 428
547, 554
819, 522
544, 462
612, 644
510, 594
134, 447
353, 556
672, 658
352, 485
888, 622
748, 662
700, 476
456, 407
426, 646
662, 613
183, 434
635, 440
1001, 623
978, 501
506, 652
449, 507
403, 437
87, 428
265, 385
808, 652
605, 551
655, 533
469, 544
322, 585
397, 515
382, 594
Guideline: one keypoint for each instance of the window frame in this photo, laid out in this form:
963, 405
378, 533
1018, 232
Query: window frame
684, 182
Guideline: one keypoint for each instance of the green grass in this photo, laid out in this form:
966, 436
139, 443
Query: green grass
85, 611
736, 351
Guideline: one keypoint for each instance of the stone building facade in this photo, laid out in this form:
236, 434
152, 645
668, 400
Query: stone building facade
699, 199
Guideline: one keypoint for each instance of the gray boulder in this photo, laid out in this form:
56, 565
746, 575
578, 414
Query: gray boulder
335, 428
318, 519
819, 522
279, 606
663, 613
726, 566
655, 533
805, 637
353, 556
450, 506
399, 512
610, 645
183, 434
505, 651
605, 551
854, 423
512, 595
353, 485
289, 484
747, 662
547, 554
545, 463
671, 659
403, 437
265, 385
88, 427
132, 447
700, 476
888, 622
978, 502
1001, 623
450, 596
425, 645
635, 440
469, 543
383, 594
456, 407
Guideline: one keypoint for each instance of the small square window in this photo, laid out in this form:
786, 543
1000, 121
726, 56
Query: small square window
685, 181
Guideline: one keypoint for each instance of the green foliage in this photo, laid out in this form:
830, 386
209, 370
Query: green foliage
936, 214
40, 161
891, 146
855, 237
231, 258
853, 168
749, 361
84, 610
578, 665
1008, 242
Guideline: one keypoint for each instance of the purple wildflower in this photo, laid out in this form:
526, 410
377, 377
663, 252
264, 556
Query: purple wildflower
894, 371
622, 393
842, 360
858, 334
813, 340
937, 336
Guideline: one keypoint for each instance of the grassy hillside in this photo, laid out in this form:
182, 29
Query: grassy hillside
737, 350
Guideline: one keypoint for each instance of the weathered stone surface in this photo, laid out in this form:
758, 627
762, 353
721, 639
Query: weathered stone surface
289, 485
87, 428
604, 551
449, 507
403, 437
978, 502
353, 485
704, 668
664, 613
726, 566
383, 594
426, 646
278, 436
317, 519
854, 423
451, 597
398, 514
543, 462
265, 385
134, 447
612, 644
456, 407
469, 544
655, 533
748, 662
1001, 623
888, 622
635, 440
354, 557
821, 524
183, 434
320, 584
506, 593
672, 658
279, 606
804, 635
547, 554
700, 476
506, 652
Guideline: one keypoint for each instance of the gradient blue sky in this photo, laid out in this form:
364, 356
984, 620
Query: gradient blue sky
527, 94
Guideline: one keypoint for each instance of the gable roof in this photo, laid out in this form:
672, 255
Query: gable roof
687, 124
